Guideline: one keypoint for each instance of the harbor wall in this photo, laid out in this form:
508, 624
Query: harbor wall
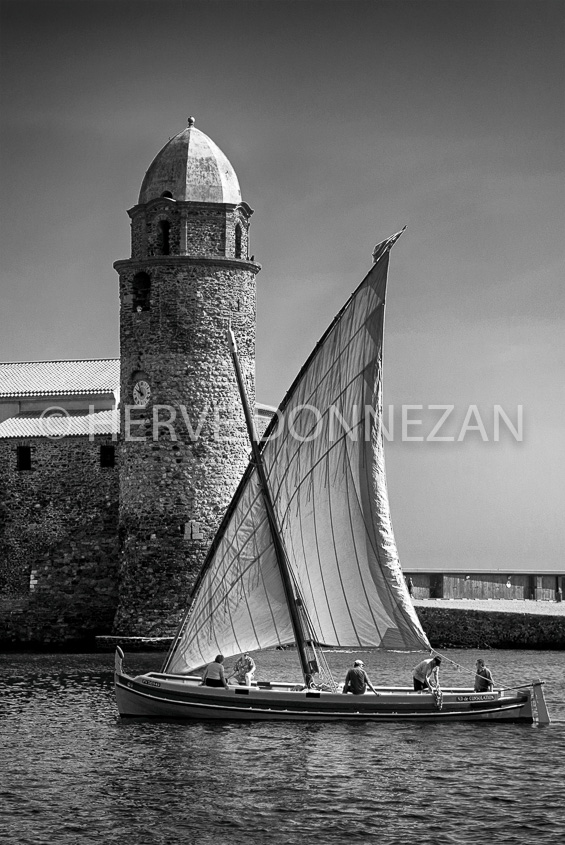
446, 628
458, 628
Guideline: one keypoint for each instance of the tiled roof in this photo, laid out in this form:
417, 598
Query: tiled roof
67, 425
265, 410
59, 378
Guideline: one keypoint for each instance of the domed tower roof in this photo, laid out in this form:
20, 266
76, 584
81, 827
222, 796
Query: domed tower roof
191, 168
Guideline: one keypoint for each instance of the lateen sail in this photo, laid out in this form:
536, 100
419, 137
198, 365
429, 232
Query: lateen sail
323, 456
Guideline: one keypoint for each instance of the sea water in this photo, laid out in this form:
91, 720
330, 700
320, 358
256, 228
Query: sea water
73, 772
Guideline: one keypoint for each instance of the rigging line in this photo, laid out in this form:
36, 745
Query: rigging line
467, 669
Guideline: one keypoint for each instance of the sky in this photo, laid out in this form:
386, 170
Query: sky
345, 120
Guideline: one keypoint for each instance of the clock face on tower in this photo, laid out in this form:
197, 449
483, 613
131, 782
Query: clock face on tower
141, 393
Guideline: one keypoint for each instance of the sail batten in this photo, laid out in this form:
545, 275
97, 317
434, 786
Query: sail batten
330, 501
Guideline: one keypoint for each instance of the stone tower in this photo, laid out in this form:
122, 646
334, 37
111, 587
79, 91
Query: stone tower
184, 444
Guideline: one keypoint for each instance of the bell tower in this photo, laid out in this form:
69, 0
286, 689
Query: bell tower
183, 442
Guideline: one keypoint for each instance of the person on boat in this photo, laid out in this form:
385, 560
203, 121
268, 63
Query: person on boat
244, 670
410, 585
214, 675
426, 674
483, 677
357, 680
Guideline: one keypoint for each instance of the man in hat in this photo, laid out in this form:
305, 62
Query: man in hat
357, 680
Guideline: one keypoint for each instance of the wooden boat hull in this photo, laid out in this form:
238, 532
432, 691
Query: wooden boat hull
176, 697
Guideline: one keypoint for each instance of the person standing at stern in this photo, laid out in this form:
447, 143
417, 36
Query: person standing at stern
483, 677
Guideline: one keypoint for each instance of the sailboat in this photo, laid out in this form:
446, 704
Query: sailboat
305, 557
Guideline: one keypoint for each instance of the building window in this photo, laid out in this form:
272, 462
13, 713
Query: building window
24, 458
163, 231
141, 288
237, 241
107, 455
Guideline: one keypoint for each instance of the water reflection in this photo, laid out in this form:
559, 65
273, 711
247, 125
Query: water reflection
74, 772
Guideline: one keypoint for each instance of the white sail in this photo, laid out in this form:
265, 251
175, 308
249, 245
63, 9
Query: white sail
239, 603
323, 457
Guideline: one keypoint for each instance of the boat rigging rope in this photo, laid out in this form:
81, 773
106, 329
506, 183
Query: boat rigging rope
460, 667
319, 663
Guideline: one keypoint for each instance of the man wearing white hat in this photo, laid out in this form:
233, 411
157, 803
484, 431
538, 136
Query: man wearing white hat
357, 680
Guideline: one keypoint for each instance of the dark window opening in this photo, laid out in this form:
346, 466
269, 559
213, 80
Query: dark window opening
167, 195
163, 229
24, 457
141, 287
238, 241
107, 455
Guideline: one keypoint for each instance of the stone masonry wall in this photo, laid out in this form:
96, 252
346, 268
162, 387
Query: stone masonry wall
176, 480
453, 628
196, 229
58, 542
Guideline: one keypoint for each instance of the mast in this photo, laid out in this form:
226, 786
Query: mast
277, 541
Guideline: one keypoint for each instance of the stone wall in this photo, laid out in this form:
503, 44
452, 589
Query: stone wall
454, 628
183, 455
195, 229
58, 542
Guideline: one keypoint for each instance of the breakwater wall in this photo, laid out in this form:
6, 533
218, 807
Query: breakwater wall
458, 628
445, 627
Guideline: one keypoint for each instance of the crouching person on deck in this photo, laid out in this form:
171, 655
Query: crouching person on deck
426, 672
214, 674
357, 680
244, 670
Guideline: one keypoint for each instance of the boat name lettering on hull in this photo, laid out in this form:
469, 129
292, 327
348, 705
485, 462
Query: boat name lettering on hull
150, 683
475, 697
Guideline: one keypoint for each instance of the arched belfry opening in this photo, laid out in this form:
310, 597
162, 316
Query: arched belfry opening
141, 290
163, 237
238, 240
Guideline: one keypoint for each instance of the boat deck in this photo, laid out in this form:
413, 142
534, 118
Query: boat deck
182, 696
